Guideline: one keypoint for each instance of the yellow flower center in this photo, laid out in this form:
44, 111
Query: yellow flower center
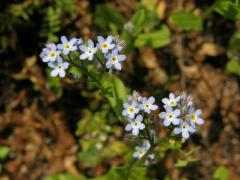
172, 103
140, 151
52, 54
113, 59
105, 45
59, 66
193, 118
67, 46
146, 105
131, 109
135, 123
184, 127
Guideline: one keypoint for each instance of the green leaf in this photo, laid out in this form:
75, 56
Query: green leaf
62, 176
186, 20
154, 39
234, 42
138, 20
116, 93
4, 151
221, 173
55, 84
228, 9
233, 66
185, 163
89, 153
106, 15
126, 172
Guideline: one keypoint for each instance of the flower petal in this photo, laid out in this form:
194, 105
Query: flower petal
54, 73
139, 118
200, 121
83, 56
141, 126
128, 127
177, 130
73, 41
166, 122
135, 131
64, 39
185, 134
162, 115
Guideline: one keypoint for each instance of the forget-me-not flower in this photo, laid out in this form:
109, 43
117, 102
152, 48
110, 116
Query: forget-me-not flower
135, 125
67, 46
140, 151
170, 116
105, 44
172, 100
58, 67
193, 117
50, 53
185, 129
130, 109
88, 51
114, 60
147, 104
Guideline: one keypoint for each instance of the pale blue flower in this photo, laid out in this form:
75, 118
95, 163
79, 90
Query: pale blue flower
105, 44
114, 60
130, 109
67, 46
140, 151
193, 117
88, 51
147, 104
58, 67
50, 53
135, 125
185, 129
172, 100
170, 116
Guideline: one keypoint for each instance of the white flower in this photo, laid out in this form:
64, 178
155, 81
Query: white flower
139, 152
105, 44
170, 116
135, 125
58, 67
185, 129
89, 50
130, 109
194, 117
67, 46
147, 104
172, 101
113, 60
50, 53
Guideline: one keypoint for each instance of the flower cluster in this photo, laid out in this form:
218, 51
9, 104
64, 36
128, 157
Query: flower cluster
55, 55
135, 105
180, 112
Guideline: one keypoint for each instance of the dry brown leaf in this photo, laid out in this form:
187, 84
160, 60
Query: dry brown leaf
148, 58
211, 49
157, 77
160, 9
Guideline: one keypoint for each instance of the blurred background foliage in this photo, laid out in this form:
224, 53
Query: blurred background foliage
65, 129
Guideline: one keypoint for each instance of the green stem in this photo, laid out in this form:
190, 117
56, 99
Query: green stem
209, 10
148, 133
